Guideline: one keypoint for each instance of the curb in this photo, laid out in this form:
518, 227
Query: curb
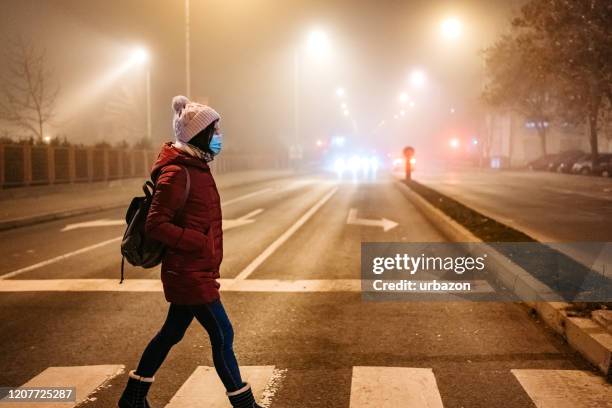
586, 336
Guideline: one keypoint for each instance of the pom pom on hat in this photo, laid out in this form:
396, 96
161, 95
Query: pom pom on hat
178, 103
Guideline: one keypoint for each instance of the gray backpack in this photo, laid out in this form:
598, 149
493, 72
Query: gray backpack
136, 247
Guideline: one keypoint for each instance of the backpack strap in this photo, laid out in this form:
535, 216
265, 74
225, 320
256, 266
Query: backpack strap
179, 213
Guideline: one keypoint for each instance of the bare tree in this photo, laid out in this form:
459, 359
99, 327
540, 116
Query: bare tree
520, 80
27, 97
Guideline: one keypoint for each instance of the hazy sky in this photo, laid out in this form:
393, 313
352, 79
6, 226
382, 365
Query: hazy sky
243, 63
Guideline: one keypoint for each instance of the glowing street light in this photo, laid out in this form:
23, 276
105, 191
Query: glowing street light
403, 113
345, 112
318, 42
403, 97
454, 143
418, 78
340, 92
411, 104
451, 28
140, 56
343, 106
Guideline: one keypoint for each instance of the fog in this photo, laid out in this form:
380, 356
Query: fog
243, 63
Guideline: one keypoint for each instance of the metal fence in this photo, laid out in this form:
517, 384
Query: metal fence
27, 165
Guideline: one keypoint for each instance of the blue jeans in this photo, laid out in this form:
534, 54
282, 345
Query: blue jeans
216, 322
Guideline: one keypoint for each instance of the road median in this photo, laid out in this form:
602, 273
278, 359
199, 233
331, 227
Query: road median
584, 334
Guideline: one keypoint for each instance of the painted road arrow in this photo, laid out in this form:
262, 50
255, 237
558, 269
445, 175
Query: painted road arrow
227, 224
238, 222
96, 223
383, 222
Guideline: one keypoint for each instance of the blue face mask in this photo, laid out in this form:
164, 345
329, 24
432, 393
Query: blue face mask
216, 143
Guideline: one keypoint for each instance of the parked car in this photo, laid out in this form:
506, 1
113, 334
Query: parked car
542, 162
564, 161
586, 166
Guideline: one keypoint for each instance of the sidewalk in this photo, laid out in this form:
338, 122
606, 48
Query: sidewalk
31, 205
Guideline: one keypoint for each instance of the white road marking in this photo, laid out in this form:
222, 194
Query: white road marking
100, 244
86, 379
246, 196
204, 389
244, 220
578, 193
105, 222
59, 258
96, 223
383, 222
565, 388
285, 236
391, 387
227, 285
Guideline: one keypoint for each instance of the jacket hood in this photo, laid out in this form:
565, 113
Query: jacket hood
171, 155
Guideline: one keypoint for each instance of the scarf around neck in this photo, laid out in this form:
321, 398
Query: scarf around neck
194, 151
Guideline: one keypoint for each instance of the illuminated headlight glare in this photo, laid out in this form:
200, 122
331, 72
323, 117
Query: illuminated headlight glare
339, 165
374, 163
354, 163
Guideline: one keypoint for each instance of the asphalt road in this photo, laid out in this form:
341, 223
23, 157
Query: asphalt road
319, 341
554, 208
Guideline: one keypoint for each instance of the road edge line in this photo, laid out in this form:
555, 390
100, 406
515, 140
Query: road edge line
582, 334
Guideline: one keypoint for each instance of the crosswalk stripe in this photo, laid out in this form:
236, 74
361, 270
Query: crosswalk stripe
565, 388
204, 389
392, 387
227, 285
86, 380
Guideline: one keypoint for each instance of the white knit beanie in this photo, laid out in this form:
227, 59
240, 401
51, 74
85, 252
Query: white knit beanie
190, 118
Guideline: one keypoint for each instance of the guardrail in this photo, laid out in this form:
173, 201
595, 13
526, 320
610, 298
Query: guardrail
28, 165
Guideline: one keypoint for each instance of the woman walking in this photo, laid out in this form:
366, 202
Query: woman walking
194, 241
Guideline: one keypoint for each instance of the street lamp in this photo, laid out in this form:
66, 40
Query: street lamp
418, 78
340, 92
403, 97
140, 56
451, 28
318, 44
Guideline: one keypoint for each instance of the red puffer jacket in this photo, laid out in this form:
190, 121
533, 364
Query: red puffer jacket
194, 242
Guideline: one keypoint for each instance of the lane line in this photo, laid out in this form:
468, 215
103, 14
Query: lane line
284, 237
59, 258
227, 285
391, 387
246, 196
204, 389
565, 388
86, 380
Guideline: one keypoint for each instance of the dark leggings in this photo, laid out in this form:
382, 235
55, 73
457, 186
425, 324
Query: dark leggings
214, 319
